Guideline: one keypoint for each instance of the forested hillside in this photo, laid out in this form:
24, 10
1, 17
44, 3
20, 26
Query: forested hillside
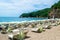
47, 12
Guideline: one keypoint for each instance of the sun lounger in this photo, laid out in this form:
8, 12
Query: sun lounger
15, 30
54, 24
10, 36
25, 28
34, 29
47, 26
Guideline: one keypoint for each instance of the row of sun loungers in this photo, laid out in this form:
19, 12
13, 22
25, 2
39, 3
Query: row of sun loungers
38, 27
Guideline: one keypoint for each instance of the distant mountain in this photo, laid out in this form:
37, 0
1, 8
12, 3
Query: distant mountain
47, 12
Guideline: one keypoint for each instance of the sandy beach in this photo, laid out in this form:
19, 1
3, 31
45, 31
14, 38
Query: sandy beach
30, 20
49, 34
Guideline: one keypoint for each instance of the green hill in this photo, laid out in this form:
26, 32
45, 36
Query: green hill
47, 12
40, 13
55, 10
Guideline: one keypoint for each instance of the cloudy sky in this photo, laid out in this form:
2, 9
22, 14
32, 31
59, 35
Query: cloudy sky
13, 8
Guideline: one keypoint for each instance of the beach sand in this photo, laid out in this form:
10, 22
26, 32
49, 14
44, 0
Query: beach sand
3, 37
49, 34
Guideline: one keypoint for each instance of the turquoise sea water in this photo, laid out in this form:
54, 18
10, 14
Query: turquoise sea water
16, 19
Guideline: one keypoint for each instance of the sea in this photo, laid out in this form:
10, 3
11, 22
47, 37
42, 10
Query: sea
17, 19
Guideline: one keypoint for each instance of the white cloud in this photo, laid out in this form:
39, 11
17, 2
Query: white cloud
16, 7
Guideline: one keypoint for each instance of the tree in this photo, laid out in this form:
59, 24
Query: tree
39, 13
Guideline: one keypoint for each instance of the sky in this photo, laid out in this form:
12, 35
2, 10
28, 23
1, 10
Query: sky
14, 8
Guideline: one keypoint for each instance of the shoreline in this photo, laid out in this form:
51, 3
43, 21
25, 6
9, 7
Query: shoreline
30, 27
27, 21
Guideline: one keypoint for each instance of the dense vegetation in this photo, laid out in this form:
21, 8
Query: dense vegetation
55, 10
41, 13
56, 5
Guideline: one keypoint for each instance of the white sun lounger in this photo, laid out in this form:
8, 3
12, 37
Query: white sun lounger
53, 24
35, 29
10, 36
15, 30
45, 26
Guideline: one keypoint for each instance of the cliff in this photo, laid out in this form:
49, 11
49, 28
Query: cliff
55, 10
